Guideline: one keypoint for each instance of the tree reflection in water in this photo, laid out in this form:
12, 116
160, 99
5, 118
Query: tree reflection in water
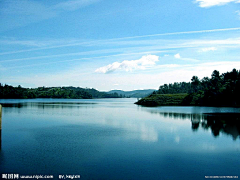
226, 123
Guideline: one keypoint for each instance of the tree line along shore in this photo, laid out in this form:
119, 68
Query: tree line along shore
10, 92
221, 90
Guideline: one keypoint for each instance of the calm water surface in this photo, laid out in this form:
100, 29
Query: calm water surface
115, 139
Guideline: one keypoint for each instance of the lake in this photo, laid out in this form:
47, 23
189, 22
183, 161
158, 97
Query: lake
116, 139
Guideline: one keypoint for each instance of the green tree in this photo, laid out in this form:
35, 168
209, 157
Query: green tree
195, 83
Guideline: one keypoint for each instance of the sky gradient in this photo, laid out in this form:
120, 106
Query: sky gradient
107, 44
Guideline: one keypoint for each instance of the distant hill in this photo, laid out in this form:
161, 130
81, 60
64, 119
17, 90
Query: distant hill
134, 94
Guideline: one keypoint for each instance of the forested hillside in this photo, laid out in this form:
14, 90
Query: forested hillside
219, 90
10, 92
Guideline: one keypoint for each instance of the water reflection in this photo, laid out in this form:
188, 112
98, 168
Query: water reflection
0, 127
225, 123
218, 123
87, 113
50, 105
0, 140
112, 140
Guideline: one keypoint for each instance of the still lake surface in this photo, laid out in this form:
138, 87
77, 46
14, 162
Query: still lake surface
116, 139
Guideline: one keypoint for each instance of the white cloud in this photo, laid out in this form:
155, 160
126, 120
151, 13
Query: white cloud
229, 41
73, 4
128, 82
237, 12
208, 49
117, 41
27, 7
168, 66
142, 63
210, 3
177, 56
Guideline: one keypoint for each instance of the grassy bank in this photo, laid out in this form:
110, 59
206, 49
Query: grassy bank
162, 100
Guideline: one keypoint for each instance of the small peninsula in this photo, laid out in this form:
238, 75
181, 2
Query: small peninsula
221, 90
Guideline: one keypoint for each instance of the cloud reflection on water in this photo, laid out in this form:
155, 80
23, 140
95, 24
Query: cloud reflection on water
144, 130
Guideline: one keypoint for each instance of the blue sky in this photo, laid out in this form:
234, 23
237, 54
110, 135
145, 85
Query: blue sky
106, 44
